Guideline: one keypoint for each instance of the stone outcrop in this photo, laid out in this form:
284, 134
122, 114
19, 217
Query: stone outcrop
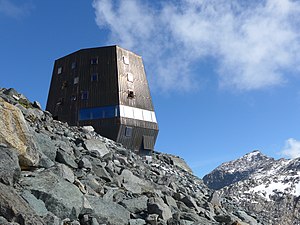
74, 176
14, 132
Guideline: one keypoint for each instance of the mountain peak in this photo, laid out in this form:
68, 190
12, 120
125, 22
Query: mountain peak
257, 182
236, 170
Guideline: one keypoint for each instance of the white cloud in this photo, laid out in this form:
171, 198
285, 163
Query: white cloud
254, 44
12, 9
291, 148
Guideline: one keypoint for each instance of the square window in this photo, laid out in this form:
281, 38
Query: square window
130, 94
125, 60
84, 95
94, 77
64, 84
73, 66
128, 131
94, 61
59, 70
60, 101
129, 77
76, 80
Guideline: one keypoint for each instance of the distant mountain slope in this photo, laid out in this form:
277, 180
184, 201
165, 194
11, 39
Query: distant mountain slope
262, 185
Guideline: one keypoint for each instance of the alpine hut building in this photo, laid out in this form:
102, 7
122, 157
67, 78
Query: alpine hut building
107, 88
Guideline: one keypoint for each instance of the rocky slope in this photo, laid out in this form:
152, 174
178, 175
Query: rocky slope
267, 187
51, 173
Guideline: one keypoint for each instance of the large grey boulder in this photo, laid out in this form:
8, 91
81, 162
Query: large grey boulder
179, 162
133, 183
108, 212
96, 145
64, 171
9, 166
157, 206
45, 145
60, 197
15, 208
65, 158
36, 204
136, 205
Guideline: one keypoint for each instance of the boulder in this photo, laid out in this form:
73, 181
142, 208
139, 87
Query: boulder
177, 161
10, 170
65, 172
14, 208
137, 222
190, 202
85, 163
15, 133
102, 173
61, 198
108, 212
45, 145
132, 183
36, 204
65, 158
96, 145
136, 205
157, 206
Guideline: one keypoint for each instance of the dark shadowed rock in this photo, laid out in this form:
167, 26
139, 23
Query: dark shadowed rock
65, 158
10, 170
157, 206
15, 208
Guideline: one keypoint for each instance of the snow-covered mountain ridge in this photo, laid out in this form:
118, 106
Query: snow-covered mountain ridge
262, 185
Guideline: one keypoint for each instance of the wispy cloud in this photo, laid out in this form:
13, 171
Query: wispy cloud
15, 10
291, 148
254, 43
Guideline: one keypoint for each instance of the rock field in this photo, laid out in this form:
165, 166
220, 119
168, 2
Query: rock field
55, 174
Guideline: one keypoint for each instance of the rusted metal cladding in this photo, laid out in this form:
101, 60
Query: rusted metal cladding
107, 88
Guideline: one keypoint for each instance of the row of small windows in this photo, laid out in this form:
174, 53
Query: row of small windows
93, 61
95, 77
85, 96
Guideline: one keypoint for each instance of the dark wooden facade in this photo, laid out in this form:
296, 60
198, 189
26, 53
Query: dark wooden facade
107, 88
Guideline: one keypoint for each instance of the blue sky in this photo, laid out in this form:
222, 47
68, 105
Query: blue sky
224, 75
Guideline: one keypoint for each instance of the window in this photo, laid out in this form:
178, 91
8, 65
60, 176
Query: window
76, 80
94, 61
125, 60
59, 70
129, 77
64, 84
99, 113
130, 94
94, 77
60, 101
84, 95
73, 66
128, 131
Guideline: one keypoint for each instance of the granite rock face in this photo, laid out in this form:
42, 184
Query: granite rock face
267, 187
72, 175
15, 133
